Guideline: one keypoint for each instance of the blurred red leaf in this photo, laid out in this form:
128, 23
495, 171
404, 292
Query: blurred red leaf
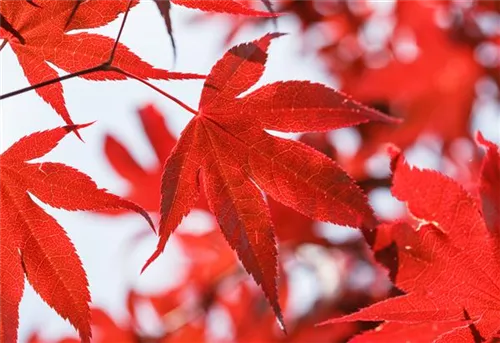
144, 185
428, 78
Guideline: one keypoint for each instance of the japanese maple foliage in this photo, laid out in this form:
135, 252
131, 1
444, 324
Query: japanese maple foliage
227, 145
213, 282
393, 332
33, 244
427, 273
48, 39
447, 262
418, 60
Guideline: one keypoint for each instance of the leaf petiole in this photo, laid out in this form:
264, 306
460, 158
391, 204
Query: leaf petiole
171, 97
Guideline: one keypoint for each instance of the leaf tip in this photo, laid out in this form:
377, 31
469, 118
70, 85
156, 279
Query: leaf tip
281, 322
75, 127
483, 141
272, 35
150, 260
395, 155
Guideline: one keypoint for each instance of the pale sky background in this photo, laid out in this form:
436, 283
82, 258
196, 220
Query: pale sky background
113, 266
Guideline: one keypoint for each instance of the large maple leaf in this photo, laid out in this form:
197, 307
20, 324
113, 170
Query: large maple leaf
226, 143
48, 39
32, 243
448, 266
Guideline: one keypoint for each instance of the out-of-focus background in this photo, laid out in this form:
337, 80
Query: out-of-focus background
433, 63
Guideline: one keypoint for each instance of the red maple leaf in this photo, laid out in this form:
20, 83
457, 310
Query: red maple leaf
215, 6
448, 265
227, 144
46, 32
225, 6
33, 244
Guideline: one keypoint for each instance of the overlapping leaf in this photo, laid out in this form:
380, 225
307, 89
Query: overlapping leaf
448, 266
33, 244
48, 39
226, 144
215, 6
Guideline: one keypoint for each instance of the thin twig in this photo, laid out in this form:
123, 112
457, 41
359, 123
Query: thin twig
165, 94
55, 80
112, 56
73, 12
4, 43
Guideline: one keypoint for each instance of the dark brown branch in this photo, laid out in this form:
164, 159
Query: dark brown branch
4, 24
112, 56
73, 12
32, 3
370, 184
4, 43
101, 67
